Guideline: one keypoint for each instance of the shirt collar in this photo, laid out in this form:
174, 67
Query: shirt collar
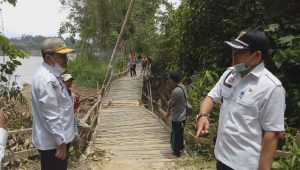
51, 70
257, 71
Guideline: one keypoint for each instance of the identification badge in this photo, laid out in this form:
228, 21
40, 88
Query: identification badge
54, 85
229, 80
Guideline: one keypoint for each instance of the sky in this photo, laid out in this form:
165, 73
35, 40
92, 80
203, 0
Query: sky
35, 17
176, 3
32, 17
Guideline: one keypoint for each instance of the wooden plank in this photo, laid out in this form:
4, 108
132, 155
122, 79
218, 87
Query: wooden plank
129, 143
21, 154
128, 130
282, 154
130, 125
91, 111
20, 131
121, 73
298, 138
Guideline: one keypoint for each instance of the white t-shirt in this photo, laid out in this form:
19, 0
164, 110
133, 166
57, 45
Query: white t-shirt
250, 105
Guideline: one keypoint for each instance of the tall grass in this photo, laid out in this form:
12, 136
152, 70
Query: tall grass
121, 63
87, 72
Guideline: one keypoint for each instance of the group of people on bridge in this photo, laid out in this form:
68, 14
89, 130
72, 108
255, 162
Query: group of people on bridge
250, 122
143, 62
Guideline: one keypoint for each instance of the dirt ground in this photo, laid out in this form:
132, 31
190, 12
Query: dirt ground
105, 161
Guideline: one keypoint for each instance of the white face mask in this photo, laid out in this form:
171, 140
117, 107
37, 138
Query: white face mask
58, 67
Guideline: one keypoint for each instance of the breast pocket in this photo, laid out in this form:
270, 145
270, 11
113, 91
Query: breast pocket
246, 107
65, 100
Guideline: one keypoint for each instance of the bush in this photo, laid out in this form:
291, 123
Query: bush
87, 72
121, 63
292, 162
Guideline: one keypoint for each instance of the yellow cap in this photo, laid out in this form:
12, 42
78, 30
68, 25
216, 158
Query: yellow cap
56, 45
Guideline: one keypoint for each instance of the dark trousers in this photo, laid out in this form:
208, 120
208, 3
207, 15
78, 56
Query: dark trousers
134, 71
221, 166
177, 141
131, 71
50, 162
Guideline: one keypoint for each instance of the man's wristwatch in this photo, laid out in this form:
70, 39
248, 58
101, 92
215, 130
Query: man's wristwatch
200, 115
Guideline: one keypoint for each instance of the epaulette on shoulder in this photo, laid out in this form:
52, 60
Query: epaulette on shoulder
273, 78
230, 68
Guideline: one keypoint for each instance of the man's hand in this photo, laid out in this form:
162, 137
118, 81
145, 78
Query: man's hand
2, 120
77, 97
202, 126
61, 151
167, 115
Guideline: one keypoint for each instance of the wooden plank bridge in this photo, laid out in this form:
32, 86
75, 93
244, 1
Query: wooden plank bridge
127, 130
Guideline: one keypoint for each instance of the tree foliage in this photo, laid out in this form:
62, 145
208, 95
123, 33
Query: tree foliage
191, 38
33, 43
98, 23
194, 35
10, 55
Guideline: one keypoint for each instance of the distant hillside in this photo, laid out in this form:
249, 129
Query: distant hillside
33, 43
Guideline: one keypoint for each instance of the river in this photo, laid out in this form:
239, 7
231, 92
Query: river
24, 73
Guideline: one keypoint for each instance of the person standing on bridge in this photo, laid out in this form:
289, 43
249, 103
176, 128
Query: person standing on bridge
54, 125
139, 59
144, 66
177, 110
252, 107
132, 67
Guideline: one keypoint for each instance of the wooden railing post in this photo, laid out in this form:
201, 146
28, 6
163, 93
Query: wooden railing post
298, 138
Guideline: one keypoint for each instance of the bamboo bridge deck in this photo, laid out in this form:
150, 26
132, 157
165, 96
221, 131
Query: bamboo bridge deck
127, 130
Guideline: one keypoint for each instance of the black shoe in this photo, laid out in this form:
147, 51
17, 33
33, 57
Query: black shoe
177, 155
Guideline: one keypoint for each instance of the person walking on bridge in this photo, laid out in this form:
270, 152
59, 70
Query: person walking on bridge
177, 110
132, 67
54, 125
252, 107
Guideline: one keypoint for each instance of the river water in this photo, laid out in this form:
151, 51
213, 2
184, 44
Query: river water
24, 73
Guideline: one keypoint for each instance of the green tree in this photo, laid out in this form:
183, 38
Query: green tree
8, 64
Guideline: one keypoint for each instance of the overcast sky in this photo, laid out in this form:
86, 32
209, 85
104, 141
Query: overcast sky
35, 17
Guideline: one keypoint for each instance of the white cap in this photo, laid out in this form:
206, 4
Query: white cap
67, 77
